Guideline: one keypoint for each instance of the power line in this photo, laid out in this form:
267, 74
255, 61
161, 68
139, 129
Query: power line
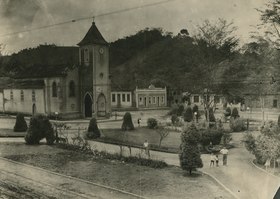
86, 18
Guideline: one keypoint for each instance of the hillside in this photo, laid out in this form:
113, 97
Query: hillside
153, 56
170, 62
175, 62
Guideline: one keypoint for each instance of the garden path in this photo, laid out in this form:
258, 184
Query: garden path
241, 177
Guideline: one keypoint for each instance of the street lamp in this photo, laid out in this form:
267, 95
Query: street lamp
248, 109
56, 133
196, 117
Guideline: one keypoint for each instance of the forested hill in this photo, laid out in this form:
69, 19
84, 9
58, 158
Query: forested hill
178, 62
166, 62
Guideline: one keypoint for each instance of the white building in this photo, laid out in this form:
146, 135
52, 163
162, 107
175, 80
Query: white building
151, 97
121, 99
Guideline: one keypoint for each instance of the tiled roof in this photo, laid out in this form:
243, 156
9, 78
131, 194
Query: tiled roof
46, 61
93, 36
24, 84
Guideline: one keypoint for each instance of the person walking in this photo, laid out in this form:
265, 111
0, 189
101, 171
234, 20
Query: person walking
146, 147
139, 122
224, 151
212, 159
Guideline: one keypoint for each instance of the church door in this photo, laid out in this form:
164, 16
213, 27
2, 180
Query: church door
101, 105
88, 105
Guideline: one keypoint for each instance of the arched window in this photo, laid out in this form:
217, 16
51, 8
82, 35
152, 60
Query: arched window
72, 89
54, 89
33, 96
11, 95
22, 95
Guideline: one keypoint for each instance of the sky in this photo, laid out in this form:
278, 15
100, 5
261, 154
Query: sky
172, 16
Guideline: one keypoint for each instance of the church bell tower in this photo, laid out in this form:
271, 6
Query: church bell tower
94, 74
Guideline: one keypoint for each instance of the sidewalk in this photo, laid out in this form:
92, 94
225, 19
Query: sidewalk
55, 185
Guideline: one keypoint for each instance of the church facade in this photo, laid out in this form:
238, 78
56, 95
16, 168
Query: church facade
74, 84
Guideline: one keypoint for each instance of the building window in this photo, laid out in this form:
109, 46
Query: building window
21, 95
11, 95
196, 99
33, 96
113, 97
128, 98
54, 89
162, 100
274, 103
123, 97
150, 100
216, 99
207, 98
140, 99
119, 98
86, 54
154, 100
72, 89
101, 75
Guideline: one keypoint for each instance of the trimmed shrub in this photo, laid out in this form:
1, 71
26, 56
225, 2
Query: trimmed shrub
235, 113
174, 109
158, 164
226, 138
227, 112
39, 128
152, 123
93, 130
180, 110
48, 131
189, 154
250, 142
174, 119
211, 135
127, 122
237, 125
195, 109
212, 118
20, 125
188, 115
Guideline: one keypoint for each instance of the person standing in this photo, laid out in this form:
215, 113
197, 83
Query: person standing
146, 147
212, 159
217, 160
224, 151
139, 122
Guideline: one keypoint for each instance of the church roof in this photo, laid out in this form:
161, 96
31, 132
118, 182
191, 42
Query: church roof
26, 84
44, 61
93, 36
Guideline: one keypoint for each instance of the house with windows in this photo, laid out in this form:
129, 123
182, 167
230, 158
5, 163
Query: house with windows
72, 81
266, 100
151, 97
121, 99
199, 99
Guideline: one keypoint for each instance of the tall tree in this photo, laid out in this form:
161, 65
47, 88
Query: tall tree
271, 17
216, 43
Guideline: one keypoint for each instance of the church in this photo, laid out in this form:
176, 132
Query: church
72, 82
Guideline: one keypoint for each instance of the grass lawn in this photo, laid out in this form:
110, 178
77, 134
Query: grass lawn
170, 182
140, 134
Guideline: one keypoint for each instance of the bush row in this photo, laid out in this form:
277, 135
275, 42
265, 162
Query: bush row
108, 156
